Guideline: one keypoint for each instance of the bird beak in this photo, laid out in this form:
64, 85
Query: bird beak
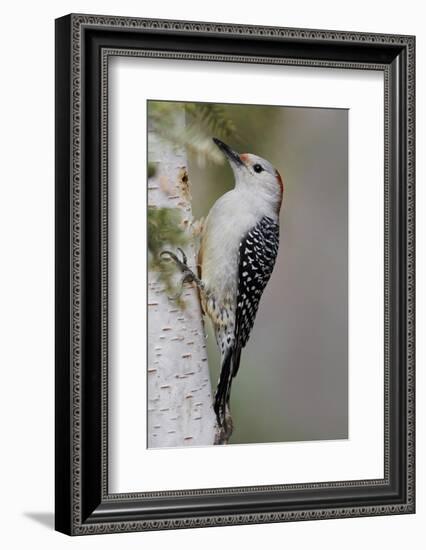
232, 156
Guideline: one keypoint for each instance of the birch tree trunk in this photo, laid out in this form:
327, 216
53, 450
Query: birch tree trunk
179, 390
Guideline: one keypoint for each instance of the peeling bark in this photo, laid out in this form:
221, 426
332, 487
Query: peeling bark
180, 409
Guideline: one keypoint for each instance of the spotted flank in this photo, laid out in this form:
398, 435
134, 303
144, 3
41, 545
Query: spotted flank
257, 254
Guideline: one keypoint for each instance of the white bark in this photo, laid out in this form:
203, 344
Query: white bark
180, 409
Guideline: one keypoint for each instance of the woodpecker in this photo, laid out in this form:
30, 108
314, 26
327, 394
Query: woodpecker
238, 248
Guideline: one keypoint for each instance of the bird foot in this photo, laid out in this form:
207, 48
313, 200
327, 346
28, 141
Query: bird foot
182, 264
188, 276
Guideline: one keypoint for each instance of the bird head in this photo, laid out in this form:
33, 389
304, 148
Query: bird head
254, 174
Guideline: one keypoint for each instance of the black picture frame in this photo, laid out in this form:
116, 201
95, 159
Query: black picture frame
83, 504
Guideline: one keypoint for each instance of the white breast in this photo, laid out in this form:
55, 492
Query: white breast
228, 221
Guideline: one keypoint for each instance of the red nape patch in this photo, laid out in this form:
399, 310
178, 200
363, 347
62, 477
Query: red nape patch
280, 182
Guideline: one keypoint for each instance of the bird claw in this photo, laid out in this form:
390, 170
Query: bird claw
187, 278
182, 264
188, 275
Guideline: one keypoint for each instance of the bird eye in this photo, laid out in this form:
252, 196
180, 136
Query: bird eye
257, 168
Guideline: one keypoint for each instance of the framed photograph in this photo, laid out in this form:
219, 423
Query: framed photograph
234, 274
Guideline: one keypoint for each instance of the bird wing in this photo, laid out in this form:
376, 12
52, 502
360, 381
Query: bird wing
257, 254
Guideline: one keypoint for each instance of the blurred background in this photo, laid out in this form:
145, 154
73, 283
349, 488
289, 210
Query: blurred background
293, 379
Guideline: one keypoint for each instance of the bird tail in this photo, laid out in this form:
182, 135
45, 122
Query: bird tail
236, 357
223, 387
229, 368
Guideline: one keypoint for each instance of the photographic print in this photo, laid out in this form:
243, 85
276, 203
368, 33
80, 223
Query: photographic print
247, 260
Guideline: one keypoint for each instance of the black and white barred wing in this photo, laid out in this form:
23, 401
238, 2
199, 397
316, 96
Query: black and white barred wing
258, 252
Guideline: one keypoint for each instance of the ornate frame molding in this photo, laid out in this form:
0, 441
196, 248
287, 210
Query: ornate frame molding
85, 507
